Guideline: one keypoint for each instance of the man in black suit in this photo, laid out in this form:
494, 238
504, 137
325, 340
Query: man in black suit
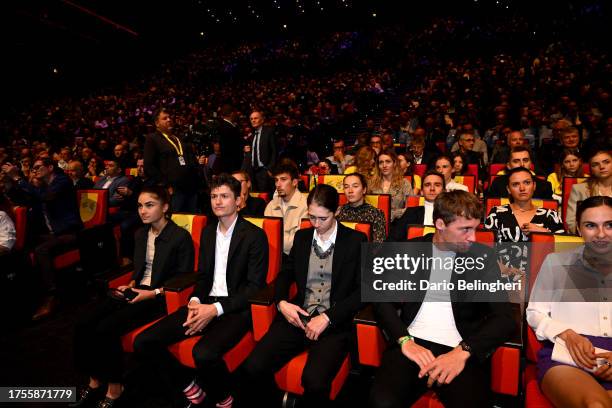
421, 156
233, 266
520, 156
75, 172
171, 162
230, 142
445, 337
324, 263
433, 184
263, 153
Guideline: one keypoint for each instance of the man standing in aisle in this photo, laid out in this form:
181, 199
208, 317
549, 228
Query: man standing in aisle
172, 162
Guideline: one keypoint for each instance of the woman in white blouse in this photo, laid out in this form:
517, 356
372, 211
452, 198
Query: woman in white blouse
577, 313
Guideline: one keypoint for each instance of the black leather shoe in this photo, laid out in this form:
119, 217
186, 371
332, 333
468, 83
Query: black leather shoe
88, 397
110, 402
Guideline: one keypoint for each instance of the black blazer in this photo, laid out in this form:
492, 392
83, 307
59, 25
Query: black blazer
498, 188
162, 164
267, 146
255, 207
230, 143
247, 264
484, 326
173, 254
399, 228
345, 297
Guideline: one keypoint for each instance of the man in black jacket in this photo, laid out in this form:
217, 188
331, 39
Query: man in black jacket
433, 185
233, 264
171, 162
230, 142
520, 156
445, 337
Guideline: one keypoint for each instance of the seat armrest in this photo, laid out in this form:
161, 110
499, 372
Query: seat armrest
180, 282
365, 316
263, 297
178, 290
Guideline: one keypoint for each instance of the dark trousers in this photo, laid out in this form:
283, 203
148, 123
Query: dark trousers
396, 383
49, 246
221, 335
283, 342
261, 180
184, 201
97, 336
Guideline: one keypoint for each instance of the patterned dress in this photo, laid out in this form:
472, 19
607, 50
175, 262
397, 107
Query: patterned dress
502, 220
366, 214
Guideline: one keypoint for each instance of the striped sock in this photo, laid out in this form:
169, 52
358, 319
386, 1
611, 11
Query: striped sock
194, 393
226, 403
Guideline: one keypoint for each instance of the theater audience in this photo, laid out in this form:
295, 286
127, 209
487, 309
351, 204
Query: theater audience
54, 218
163, 250
599, 184
357, 210
567, 316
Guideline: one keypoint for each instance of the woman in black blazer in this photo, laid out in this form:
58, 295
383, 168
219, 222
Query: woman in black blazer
163, 250
324, 263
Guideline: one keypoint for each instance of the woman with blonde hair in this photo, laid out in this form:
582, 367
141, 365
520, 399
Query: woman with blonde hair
365, 160
389, 179
599, 184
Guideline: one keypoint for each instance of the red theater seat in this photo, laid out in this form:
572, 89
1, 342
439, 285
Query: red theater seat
264, 196
544, 244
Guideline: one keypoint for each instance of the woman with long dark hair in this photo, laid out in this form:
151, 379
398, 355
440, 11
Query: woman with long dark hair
162, 251
572, 318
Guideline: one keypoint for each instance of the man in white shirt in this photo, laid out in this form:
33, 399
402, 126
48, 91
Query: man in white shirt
233, 266
289, 203
444, 337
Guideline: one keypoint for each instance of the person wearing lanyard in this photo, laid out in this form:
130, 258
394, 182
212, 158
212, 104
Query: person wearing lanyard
172, 163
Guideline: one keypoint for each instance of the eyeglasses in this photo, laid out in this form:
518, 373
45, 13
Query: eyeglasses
38, 166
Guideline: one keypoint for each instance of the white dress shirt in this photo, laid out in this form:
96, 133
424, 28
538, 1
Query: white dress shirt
222, 244
435, 320
428, 217
325, 244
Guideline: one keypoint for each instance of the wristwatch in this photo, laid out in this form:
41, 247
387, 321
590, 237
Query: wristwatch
465, 347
